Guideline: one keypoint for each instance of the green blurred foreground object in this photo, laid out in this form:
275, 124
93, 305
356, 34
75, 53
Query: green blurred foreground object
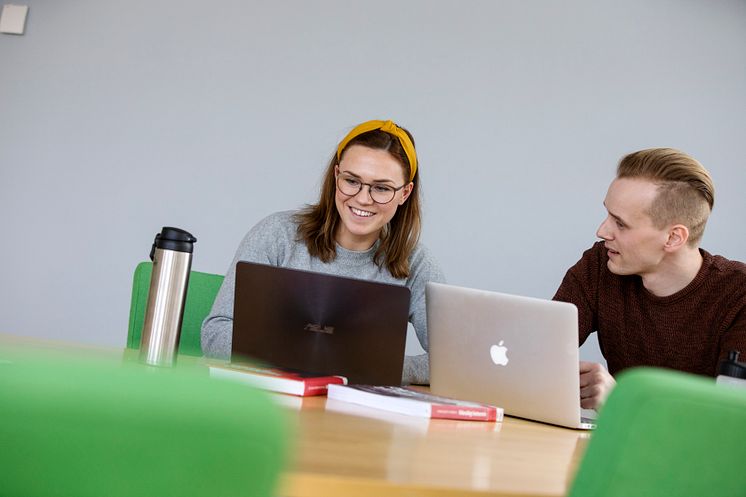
201, 293
664, 433
77, 426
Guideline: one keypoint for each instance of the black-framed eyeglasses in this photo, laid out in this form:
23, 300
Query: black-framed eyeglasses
380, 193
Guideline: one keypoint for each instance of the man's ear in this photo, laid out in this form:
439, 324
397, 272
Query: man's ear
406, 192
678, 235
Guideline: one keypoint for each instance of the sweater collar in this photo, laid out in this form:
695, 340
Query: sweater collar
356, 257
693, 285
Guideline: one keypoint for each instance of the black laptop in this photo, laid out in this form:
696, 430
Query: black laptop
319, 323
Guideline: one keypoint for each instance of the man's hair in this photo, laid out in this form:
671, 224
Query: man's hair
686, 193
317, 224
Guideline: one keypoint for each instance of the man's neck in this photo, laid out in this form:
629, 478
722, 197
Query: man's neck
674, 272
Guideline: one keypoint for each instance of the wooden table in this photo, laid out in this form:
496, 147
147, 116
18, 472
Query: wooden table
341, 449
353, 451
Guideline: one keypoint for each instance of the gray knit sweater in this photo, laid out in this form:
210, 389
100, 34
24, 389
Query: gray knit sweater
274, 241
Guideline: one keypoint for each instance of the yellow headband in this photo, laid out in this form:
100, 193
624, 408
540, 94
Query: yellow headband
390, 128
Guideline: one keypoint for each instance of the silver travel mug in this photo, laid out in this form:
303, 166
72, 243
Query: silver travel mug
172, 260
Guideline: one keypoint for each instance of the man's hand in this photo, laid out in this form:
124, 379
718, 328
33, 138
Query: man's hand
595, 384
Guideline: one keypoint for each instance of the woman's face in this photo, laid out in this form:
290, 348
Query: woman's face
362, 217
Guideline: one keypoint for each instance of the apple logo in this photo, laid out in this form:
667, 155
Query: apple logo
499, 354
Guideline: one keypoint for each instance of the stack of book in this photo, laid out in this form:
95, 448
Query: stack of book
278, 380
403, 400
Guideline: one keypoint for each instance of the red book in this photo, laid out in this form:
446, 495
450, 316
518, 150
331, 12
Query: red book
414, 403
278, 380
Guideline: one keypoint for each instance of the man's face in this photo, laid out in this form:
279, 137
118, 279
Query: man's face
634, 244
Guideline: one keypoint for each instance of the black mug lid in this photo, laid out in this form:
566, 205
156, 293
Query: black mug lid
732, 367
176, 239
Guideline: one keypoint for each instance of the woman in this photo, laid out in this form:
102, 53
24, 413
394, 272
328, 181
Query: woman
366, 225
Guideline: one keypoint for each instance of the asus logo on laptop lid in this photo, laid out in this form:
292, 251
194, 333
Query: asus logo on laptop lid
329, 330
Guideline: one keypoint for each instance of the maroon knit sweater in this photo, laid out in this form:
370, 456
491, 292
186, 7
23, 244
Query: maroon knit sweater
691, 330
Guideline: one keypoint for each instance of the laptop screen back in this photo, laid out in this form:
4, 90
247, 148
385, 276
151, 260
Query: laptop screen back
320, 323
516, 352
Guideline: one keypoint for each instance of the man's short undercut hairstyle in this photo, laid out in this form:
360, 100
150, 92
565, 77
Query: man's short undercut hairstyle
686, 193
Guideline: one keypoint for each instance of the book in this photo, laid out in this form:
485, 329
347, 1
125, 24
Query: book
413, 402
278, 380
395, 420
297, 402
404, 421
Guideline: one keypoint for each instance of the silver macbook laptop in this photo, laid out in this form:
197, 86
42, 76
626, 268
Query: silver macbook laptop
320, 323
519, 353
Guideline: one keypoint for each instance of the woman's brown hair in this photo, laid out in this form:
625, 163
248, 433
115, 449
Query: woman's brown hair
318, 223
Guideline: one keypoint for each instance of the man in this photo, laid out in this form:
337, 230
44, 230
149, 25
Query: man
654, 297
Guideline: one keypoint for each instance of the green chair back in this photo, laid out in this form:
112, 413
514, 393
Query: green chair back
203, 287
72, 425
664, 433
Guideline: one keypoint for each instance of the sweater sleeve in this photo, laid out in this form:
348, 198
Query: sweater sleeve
256, 246
580, 287
734, 336
423, 269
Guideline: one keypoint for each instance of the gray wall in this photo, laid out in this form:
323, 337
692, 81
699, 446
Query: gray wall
118, 118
